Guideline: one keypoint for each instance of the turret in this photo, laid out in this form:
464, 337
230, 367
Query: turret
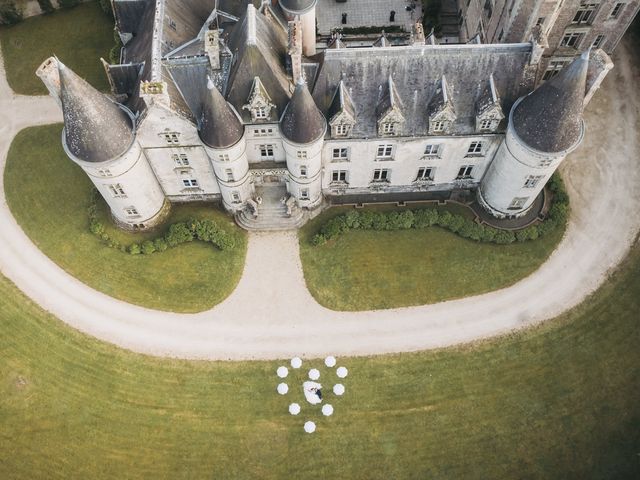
544, 127
222, 132
303, 127
99, 135
305, 11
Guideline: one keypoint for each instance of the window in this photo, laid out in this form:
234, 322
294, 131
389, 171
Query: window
180, 160
340, 154
190, 182
304, 194
425, 173
532, 181
171, 138
486, 124
381, 175
342, 129
437, 126
540, 21
572, 39
475, 149
223, 157
262, 132
266, 151
260, 113
546, 162
385, 152
235, 197
131, 211
303, 170
553, 69
517, 203
117, 191
598, 41
432, 150
388, 128
229, 173
301, 154
586, 13
104, 172
465, 172
339, 176
615, 13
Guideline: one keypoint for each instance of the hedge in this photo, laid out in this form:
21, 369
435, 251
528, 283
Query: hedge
177, 234
10, 13
458, 224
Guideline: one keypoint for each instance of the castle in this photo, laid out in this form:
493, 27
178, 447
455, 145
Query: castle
218, 100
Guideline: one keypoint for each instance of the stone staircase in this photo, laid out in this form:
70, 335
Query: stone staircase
272, 212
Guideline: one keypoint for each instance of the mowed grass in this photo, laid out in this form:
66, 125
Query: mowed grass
365, 270
48, 195
79, 36
559, 401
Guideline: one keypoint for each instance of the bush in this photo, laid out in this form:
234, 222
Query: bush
178, 233
425, 218
318, 239
114, 52
148, 247
96, 227
10, 14
105, 5
160, 244
504, 237
46, 6
68, 3
134, 249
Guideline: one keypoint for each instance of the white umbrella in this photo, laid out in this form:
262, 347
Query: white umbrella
296, 362
330, 361
342, 372
338, 389
283, 388
294, 409
309, 427
314, 374
282, 372
327, 410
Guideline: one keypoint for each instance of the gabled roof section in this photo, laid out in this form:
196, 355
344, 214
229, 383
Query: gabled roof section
389, 99
488, 99
96, 128
218, 124
302, 121
336, 42
258, 94
259, 48
128, 13
341, 104
550, 118
441, 101
382, 41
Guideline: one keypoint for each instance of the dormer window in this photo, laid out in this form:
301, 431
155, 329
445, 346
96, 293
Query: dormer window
342, 130
438, 126
488, 109
260, 113
172, 138
259, 103
388, 128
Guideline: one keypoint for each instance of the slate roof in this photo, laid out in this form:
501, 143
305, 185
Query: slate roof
417, 73
550, 118
341, 103
302, 122
218, 124
96, 128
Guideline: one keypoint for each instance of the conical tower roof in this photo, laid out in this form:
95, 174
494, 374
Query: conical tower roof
219, 126
550, 118
302, 121
96, 128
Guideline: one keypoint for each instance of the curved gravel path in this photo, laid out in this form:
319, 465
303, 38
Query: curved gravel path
272, 315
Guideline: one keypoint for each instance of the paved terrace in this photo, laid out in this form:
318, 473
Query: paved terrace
271, 313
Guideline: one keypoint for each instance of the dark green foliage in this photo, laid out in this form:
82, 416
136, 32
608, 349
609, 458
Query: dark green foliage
148, 247
114, 52
160, 244
10, 14
465, 227
178, 233
369, 30
46, 6
68, 3
105, 5
134, 249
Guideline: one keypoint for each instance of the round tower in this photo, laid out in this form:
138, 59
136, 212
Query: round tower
223, 135
544, 127
305, 10
303, 127
99, 135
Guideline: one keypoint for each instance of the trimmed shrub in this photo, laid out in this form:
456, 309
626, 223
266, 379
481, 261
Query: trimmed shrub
425, 218
148, 247
68, 3
134, 249
318, 239
160, 244
46, 6
504, 237
178, 233
10, 14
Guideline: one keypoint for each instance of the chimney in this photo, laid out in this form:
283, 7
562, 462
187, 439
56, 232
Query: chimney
295, 50
417, 34
212, 48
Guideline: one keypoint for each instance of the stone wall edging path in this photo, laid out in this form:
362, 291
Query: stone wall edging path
271, 313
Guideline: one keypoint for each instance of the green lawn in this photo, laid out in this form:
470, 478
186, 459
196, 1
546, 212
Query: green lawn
364, 270
559, 401
79, 36
48, 195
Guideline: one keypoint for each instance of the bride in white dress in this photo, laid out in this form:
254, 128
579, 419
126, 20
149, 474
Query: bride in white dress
311, 390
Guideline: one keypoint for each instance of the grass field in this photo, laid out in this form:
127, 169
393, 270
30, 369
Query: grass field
364, 270
48, 195
559, 401
79, 36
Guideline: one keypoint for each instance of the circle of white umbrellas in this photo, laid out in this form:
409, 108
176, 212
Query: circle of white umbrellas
310, 388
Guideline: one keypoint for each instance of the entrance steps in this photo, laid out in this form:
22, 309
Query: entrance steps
271, 218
